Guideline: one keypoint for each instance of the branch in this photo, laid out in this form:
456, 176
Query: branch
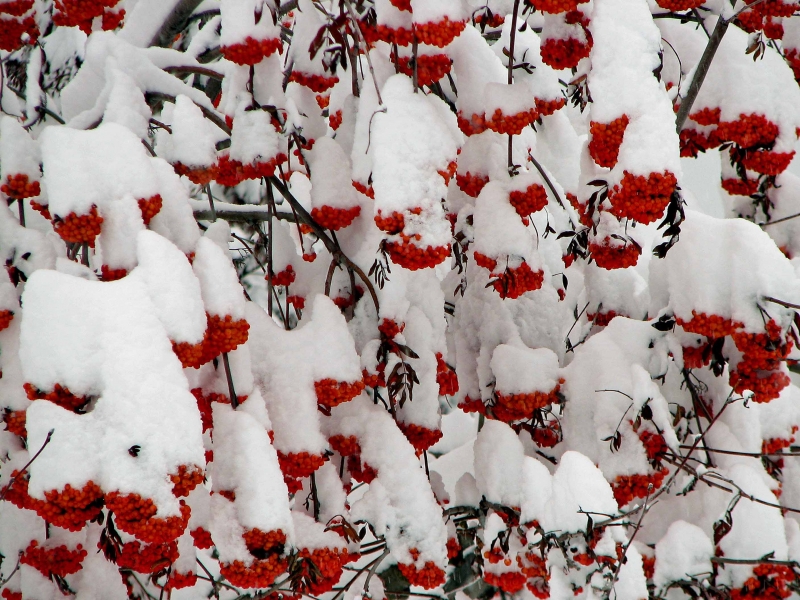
188, 70
29, 463
209, 114
174, 22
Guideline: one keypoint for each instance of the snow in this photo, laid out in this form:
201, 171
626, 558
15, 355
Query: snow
219, 284
521, 370
683, 553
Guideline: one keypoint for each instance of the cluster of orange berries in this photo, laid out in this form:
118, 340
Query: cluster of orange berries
196, 174
601, 319
136, 516
510, 124
335, 219
15, 422
547, 437
19, 27
740, 187
109, 274
259, 574
510, 582
446, 377
769, 582
556, 6
439, 33
284, 278
420, 437
251, 51
654, 445
41, 209
223, 334
473, 405
59, 561
430, 67
329, 563
628, 487
472, 125
364, 189
613, 256
231, 172
384, 33
7, 594
428, 577
78, 229
547, 107
606, 138
712, 326
147, 558
528, 201
748, 130
515, 407
695, 357
641, 198
6, 317
335, 120
60, 395
69, 508
316, 83
332, 393
256, 539
392, 224
496, 20
80, 13
19, 185
202, 538
410, 256
774, 445
299, 464
767, 162
511, 283
765, 385
471, 184
564, 53
186, 479
179, 580
679, 5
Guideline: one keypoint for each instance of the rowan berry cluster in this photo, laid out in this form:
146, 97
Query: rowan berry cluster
695, 357
769, 582
81, 13
6, 316
258, 574
256, 540
628, 487
428, 577
510, 124
641, 198
610, 255
109, 274
332, 393
421, 438
512, 282
740, 187
69, 508
516, 407
430, 67
446, 377
20, 186
316, 83
42, 209
178, 580
197, 174
186, 479
136, 516
251, 51
300, 464
439, 33
471, 184
654, 445
49, 560
601, 319
223, 334
392, 224
202, 538
711, 326
365, 189
564, 53
78, 229
412, 257
15, 422
335, 219
679, 5
528, 201
335, 120
472, 125
60, 395
328, 563
606, 138
147, 558
283, 278
510, 582
545, 108
232, 172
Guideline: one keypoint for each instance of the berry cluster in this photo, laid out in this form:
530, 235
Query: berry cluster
18, 29
223, 334
641, 198
69, 508
42, 209
346, 446
332, 393
257, 540
420, 437
472, 125
769, 582
392, 224
231, 172
439, 33
179, 580
516, 407
335, 120
410, 256
430, 67
765, 385
601, 319
546, 437
136, 516
471, 184
6, 317
316, 83
679, 5
251, 51
300, 464
78, 229
564, 53
513, 282
748, 131
202, 538
774, 445
15, 422
654, 445
258, 574
197, 175
365, 189
510, 582
360, 471
528, 201
740, 187
335, 219
328, 563
147, 558
473, 405
493, 21
7, 594
283, 278
186, 479
81, 13
404, 5
109, 274
19, 186
695, 357
606, 138
60, 395
766, 162
384, 33
59, 560
545, 108
150, 207
610, 255
429, 576
711, 326
510, 124
628, 487
446, 377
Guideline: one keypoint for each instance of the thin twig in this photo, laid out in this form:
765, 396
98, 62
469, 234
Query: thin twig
362, 41
27, 465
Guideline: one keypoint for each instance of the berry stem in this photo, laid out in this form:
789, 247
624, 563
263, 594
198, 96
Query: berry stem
211, 202
231, 391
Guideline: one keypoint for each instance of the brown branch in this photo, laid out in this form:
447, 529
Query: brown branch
27, 465
174, 22
776, 221
782, 302
361, 40
189, 70
207, 113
